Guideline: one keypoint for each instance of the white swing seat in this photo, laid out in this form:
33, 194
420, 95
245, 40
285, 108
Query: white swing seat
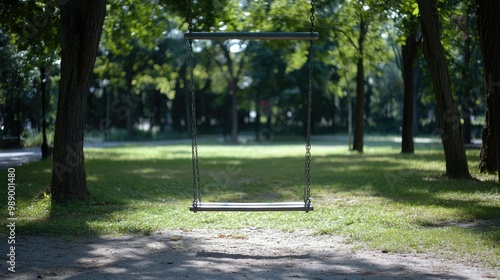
251, 206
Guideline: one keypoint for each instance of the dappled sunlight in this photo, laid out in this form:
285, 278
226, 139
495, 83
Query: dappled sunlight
378, 199
36, 210
252, 151
139, 153
145, 171
92, 178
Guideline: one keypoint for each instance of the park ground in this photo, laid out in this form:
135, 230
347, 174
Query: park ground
227, 254
134, 230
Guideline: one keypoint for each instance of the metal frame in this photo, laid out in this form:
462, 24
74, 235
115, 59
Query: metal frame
251, 207
251, 35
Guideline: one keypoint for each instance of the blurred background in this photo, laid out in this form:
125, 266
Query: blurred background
140, 89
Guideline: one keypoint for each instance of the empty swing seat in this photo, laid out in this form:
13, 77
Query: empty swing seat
197, 205
252, 206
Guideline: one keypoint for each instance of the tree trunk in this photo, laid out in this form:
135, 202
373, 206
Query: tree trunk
43, 88
349, 119
360, 105
488, 159
234, 110
81, 27
187, 99
409, 52
232, 78
416, 85
360, 91
489, 38
129, 74
466, 107
449, 119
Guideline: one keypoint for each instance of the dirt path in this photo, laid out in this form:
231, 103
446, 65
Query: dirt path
225, 254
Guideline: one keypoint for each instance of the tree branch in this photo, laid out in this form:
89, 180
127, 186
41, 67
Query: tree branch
348, 38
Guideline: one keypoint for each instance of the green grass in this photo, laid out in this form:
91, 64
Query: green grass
380, 199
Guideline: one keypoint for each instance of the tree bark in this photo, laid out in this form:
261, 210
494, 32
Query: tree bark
187, 98
130, 105
360, 91
232, 79
81, 27
234, 109
409, 53
43, 88
449, 119
489, 38
488, 158
466, 107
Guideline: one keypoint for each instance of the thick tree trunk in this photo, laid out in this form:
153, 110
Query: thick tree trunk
81, 27
449, 119
409, 52
466, 107
488, 159
360, 91
489, 37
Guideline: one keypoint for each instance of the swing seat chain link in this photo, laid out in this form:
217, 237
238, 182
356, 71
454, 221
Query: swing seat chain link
307, 167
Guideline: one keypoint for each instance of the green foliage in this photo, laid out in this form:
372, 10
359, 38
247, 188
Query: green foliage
121, 33
142, 54
33, 29
34, 139
355, 19
9, 70
36, 31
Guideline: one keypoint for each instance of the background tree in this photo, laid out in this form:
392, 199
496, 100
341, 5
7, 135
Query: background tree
449, 120
489, 35
11, 82
359, 40
131, 44
408, 23
464, 35
36, 33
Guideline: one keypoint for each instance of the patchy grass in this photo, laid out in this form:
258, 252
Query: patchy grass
380, 199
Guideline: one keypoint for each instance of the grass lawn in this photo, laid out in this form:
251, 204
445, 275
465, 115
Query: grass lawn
380, 199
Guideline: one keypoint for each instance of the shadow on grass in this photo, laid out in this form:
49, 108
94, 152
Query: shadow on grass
119, 187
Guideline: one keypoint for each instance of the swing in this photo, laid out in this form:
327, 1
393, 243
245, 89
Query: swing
197, 204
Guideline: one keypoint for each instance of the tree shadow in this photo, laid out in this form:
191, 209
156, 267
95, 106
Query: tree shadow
116, 184
184, 256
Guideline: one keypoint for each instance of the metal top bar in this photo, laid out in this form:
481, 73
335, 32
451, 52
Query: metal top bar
251, 207
251, 35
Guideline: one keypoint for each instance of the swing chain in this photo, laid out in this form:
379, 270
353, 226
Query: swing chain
307, 167
313, 4
190, 17
194, 144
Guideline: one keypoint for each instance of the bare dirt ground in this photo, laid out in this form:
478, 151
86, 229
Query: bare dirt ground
224, 254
